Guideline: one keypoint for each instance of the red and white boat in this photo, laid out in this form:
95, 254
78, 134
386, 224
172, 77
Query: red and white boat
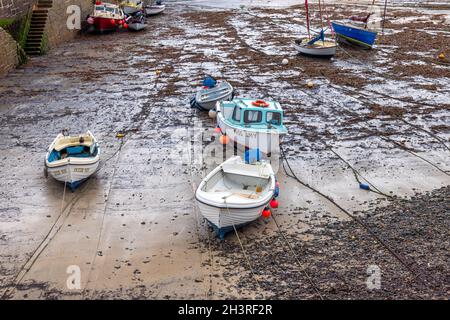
106, 17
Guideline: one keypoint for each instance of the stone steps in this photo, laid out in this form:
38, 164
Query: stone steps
37, 27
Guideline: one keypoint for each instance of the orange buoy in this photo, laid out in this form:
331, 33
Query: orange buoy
274, 204
266, 213
260, 103
224, 139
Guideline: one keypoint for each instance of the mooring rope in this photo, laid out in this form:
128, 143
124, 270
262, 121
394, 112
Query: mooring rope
243, 250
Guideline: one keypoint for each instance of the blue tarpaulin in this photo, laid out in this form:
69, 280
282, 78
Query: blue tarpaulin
209, 82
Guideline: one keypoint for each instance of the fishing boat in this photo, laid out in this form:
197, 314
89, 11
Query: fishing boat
211, 92
251, 124
136, 22
235, 193
318, 46
155, 9
106, 17
131, 7
72, 159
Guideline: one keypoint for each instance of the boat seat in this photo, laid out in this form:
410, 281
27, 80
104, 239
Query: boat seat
249, 195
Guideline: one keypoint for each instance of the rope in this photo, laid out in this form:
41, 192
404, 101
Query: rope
36, 253
103, 216
415, 273
311, 281
243, 251
357, 175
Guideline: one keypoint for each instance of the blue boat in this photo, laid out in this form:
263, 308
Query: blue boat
355, 35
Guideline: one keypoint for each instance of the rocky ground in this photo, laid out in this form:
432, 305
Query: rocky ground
134, 229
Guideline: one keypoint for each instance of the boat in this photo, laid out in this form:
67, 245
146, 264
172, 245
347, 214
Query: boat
251, 124
318, 46
351, 33
136, 22
355, 30
319, 49
106, 17
211, 92
154, 9
72, 159
131, 7
235, 193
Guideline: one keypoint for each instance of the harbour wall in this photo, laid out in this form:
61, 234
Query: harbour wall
57, 31
10, 9
8, 52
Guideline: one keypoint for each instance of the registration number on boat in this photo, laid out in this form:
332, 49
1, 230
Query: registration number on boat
242, 133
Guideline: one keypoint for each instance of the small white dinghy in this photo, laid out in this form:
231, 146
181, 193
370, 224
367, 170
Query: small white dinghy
137, 26
319, 49
72, 159
212, 92
316, 47
154, 9
235, 193
136, 22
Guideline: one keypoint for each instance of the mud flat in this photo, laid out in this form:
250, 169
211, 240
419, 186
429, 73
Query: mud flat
134, 230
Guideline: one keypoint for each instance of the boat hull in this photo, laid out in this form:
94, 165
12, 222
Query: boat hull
207, 98
318, 52
129, 10
137, 26
354, 35
225, 220
154, 10
266, 141
105, 25
73, 174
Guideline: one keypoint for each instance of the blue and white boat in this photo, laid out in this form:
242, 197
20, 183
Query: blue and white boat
356, 35
236, 193
72, 159
252, 124
210, 93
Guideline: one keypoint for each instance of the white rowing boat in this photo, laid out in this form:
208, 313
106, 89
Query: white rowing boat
235, 193
72, 159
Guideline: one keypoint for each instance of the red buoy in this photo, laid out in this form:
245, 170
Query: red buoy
125, 25
217, 130
274, 204
266, 213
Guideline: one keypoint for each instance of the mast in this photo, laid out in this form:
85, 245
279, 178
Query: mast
321, 19
307, 19
384, 15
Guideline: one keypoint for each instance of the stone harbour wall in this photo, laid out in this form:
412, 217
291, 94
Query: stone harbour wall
57, 31
15, 8
8, 53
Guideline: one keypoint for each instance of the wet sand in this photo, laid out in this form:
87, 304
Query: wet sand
134, 229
